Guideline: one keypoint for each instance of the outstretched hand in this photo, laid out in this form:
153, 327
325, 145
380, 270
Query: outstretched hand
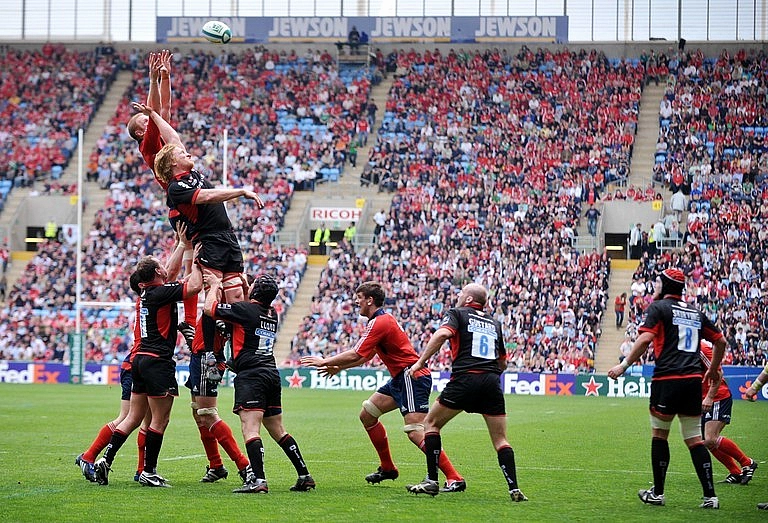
255, 197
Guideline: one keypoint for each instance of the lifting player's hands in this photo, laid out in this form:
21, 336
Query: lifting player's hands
181, 232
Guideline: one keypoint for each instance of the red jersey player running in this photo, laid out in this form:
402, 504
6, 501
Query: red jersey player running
716, 414
384, 337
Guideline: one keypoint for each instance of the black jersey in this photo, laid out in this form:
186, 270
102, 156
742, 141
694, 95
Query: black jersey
477, 342
677, 329
200, 219
254, 330
158, 317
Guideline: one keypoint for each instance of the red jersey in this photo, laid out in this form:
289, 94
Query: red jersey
149, 146
385, 337
723, 392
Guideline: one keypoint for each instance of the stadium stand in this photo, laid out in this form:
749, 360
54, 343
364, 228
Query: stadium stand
714, 118
280, 128
50, 95
475, 201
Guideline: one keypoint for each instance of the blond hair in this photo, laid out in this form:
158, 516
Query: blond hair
164, 162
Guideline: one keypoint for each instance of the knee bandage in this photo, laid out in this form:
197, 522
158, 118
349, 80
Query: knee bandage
210, 411
371, 409
658, 423
690, 427
411, 427
194, 405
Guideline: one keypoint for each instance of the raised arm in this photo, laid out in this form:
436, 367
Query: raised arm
167, 132
437, 340
166, 94
153, 97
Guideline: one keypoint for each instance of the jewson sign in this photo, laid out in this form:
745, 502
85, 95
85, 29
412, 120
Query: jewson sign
432, 29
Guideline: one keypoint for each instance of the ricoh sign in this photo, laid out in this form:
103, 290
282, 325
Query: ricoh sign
335, 214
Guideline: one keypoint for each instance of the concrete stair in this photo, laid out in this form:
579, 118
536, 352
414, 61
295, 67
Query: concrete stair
643, 153
300, 308
607, 354
347, 187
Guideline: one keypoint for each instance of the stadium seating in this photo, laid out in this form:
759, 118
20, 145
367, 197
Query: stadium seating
133, 224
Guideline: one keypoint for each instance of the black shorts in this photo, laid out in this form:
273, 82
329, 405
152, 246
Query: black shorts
155, 377
721, 411
474, 392
411, 395
196, 381
258, 389
676, 396
126, 381
221, 251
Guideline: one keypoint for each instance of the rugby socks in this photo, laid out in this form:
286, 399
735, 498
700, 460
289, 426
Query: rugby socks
208, 325
115, 442
101, 441
732, 449
432, 448
190, 310
507, 464
378, 435
702, 462
211, 447
727, 461
223, 434
451, 474
141, 443
659, 463
255, 449
154, 442
291, 449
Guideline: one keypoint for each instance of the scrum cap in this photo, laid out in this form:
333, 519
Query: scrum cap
264, 289
672, 282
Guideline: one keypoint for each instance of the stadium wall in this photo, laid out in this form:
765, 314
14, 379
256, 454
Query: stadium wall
612, 50
513, 383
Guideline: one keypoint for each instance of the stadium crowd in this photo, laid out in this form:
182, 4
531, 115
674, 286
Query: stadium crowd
47, 94
711, 150
132, 223
490, 203
492, 158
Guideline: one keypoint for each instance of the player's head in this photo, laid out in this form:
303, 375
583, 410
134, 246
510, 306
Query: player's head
172, 158
369, 298
373, 290
473, 293
670, 282
134, 282
149, 268
137, 126
263, 289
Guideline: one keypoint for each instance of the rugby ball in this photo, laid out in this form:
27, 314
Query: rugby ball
216, 32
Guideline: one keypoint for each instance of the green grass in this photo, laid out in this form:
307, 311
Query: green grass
578, 459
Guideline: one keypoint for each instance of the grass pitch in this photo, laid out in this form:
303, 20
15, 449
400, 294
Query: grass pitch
578, 459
